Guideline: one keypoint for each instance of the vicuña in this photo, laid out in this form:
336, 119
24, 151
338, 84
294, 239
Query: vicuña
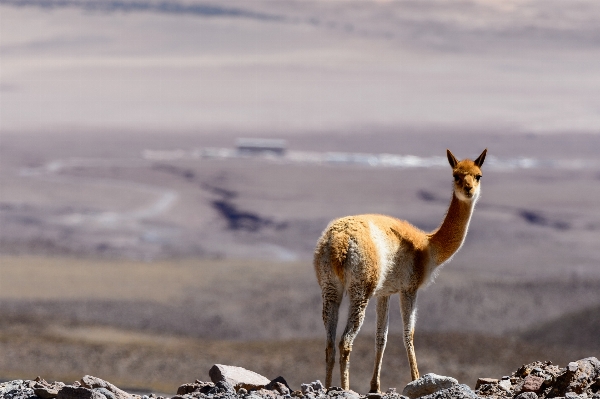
377, 256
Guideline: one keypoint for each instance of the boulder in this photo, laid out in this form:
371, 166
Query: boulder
428, 384
237, 377
577, 380
588, 370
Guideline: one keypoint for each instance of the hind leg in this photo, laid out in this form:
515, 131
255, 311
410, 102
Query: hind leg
356, 315
332, 298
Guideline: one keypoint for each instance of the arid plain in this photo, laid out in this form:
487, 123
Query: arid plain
137, 246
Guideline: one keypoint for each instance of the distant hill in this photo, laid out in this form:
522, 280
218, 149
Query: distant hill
578, 329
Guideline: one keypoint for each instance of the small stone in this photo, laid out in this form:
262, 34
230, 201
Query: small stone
572, 367
278, 387
428, 384
391, 390
532, 383
485, 381
279, 380
317, 385
242, 391
237, 377
506, 385
306, 388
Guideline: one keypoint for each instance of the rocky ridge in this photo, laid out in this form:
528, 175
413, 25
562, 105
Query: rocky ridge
537, 380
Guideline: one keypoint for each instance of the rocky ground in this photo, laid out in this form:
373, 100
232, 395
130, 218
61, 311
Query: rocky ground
580, 379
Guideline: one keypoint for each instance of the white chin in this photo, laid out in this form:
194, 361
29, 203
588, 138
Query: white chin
461, 196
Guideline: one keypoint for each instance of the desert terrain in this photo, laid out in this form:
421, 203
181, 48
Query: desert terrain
138, 244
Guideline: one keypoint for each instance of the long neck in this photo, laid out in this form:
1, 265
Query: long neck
449, 237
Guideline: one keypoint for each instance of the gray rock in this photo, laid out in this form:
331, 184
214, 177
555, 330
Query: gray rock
588, 370
572, 367
506, 385
306, 388
106, 392
428, 384
16, 389
92, 382
459, 391
317, 385
237, 377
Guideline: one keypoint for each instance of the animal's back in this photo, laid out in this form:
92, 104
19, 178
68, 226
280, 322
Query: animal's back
359, 241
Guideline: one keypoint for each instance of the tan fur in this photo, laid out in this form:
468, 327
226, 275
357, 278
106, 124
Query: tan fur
376, 255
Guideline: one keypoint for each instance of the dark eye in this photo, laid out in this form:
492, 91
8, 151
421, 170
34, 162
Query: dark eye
456, 178
477, 177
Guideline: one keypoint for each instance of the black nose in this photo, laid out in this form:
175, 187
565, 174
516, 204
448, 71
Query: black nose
468, 189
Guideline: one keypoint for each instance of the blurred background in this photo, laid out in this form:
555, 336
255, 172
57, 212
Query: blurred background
166, 168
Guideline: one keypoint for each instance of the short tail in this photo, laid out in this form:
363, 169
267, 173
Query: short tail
333, 250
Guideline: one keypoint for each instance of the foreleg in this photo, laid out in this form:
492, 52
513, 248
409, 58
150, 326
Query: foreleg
408, 306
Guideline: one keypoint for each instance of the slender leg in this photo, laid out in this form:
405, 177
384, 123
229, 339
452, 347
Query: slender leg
408, 306
356, 315
383, 307
332, 297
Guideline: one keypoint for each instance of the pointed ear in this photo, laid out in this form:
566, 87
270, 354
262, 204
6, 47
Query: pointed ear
481, 158
452, 159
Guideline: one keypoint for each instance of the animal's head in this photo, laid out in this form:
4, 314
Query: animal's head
467, 176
